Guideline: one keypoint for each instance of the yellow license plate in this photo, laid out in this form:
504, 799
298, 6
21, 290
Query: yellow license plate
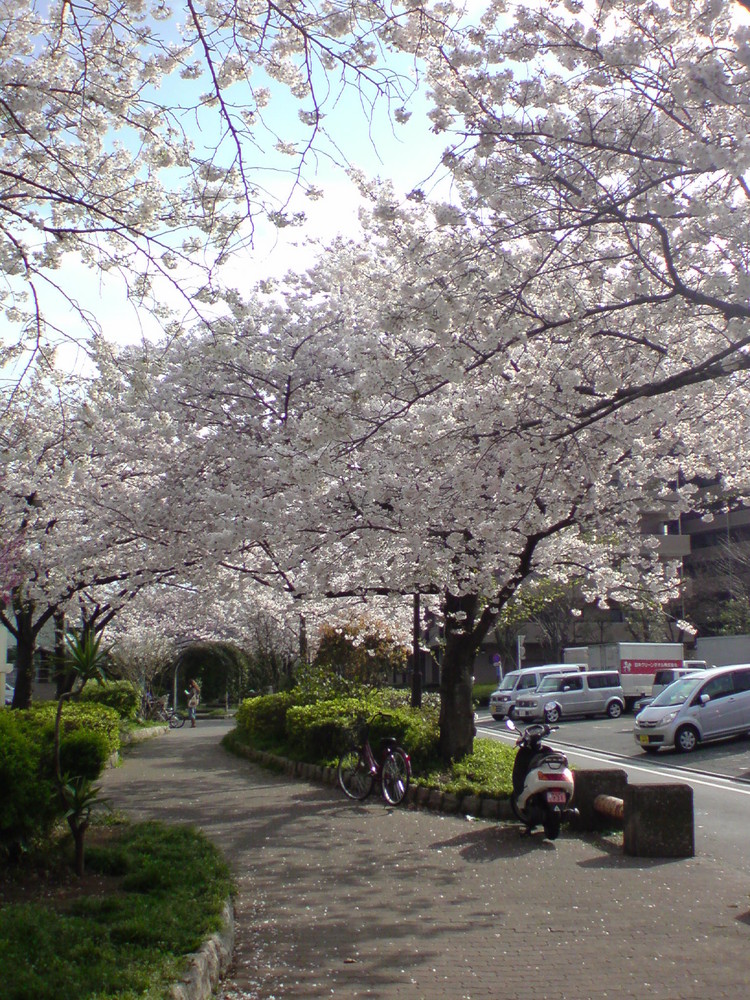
643, 740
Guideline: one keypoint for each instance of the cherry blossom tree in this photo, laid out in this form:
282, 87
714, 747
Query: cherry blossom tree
485, 393
84, 511
144, 140
606, 144
395, 431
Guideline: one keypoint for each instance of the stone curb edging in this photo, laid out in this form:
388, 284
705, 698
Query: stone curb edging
417, 796
136, 736
207, 966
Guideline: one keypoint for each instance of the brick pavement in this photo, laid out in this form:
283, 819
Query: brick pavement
340, 899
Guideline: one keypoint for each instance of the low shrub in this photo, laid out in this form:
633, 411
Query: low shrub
262, 720
421, 737
123, 696
486, 771
77, 715
29, 804
320, 733
27, 800
83, 754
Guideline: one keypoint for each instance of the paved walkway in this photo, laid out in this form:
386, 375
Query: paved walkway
338, 899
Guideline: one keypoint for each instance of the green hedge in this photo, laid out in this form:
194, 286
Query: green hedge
319, 733
123, 696
262, 720
78, 715
83, 754
29, 805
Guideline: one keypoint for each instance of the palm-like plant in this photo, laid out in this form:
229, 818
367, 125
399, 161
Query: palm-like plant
87, 659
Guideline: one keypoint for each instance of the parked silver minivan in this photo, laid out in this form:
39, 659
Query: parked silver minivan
503, 700
705, 706
566, 695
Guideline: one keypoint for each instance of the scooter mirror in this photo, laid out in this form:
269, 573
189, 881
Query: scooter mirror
510, 724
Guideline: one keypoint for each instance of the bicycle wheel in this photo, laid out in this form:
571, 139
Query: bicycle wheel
394, 776
354, 774
176, 720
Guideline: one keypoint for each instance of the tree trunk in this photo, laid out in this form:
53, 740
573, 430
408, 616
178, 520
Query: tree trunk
64, 678
25, 642
79, 840
457, 729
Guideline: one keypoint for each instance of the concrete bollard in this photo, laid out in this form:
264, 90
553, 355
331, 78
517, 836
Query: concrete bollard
659, 821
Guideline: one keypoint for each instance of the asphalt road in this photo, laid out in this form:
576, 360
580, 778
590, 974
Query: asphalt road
719, 774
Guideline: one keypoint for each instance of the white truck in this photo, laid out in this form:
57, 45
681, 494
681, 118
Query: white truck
636, 662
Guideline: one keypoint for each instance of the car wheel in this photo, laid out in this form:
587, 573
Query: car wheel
686, 739
551, 715
614, 710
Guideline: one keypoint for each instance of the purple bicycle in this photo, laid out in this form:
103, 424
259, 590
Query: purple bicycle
360, 767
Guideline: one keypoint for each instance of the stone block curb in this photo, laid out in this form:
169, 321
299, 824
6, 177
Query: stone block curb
417, 797
207, 965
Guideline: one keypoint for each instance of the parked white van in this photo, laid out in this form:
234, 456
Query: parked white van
663, 678
503, 700
704, 706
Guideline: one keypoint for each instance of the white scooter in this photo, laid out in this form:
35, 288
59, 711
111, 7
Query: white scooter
542, 782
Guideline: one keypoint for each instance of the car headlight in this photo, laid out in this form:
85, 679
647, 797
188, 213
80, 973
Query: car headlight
669, 717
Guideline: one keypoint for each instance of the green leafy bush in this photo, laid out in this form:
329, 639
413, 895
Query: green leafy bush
319, 682
83, 754
486, 771
123, 696
27, 806
320, 733
262, 721
76, 715
421, 737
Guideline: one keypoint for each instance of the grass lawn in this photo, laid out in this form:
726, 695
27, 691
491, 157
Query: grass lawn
150, 896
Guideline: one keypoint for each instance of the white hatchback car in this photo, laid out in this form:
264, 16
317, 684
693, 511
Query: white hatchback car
709, 705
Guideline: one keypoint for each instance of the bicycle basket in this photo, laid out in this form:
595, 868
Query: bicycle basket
359, 731
387, 743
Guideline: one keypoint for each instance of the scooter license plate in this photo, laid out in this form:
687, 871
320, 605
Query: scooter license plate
556, 797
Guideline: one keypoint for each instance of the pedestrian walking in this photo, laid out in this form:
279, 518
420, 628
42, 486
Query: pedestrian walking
194, 697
